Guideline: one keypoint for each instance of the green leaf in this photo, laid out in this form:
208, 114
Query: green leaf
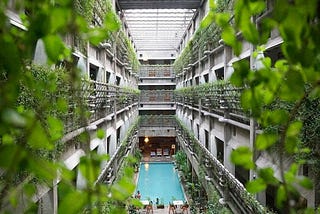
242, 156
96, 35
55, 48
111, 22
55, 128
208, 19
306, 183
123, 189
100, 133
222, 19
294, 129
250, 33
241, 72
42, 169
267, 174
13, 197
136, 202
256, 185
89, 167
281, 196
291, 144
212, 5
229, 37
265, 140
62, 105
256, 7
59, 17
293, 87
10, 154
275, 117
38, 138
265, 27
7, 139
290, 175
72, 203
250, 101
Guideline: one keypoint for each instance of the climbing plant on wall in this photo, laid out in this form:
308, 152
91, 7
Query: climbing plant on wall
205, 38
294, 80
29, 124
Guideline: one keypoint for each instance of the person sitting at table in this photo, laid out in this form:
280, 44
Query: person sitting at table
138, 195
185, 207
172, 208
149, 207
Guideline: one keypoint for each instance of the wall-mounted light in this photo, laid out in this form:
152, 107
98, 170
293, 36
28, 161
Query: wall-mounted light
207, 178
222, 201
207, 52
146, 139
105, 45
91, 127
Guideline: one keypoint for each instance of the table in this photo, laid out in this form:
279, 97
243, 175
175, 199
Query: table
177, 202
145, 202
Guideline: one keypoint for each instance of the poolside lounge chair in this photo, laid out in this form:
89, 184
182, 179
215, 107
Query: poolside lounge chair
159, 152
166, 152
152, 154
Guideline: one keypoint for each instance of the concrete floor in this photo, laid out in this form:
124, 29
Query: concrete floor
161, 211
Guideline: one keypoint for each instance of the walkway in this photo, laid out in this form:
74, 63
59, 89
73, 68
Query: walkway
160, 211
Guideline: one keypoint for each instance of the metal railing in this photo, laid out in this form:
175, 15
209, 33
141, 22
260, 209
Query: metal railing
157, 96
156, 71
98, 100
231, 189
127, 147
219, 99
157, 121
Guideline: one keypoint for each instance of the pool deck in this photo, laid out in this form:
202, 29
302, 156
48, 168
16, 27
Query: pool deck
146, 158
160, 211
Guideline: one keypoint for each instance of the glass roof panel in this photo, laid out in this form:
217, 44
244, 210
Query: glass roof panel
157, 28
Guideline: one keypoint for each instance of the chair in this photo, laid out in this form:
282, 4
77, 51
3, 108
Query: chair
185, 208
159, 152
166, 152
152, 154
172, 208
149, 208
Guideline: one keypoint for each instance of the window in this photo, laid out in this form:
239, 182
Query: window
107, 76
118, 80
93, 72
108, 144
219, 74
206, 134
206, 78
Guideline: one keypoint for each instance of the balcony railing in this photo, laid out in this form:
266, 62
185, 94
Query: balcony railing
127, 147
100, 100
156, 96
157, 121
232, 190
217, 98
156, 71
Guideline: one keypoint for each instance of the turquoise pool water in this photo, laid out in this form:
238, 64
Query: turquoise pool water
159, 180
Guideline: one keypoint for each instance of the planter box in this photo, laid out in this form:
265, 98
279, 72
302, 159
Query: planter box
160, 206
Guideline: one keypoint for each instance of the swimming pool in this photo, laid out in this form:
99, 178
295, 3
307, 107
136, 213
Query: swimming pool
159, 180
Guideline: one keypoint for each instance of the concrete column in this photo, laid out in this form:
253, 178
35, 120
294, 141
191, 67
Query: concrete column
55, 196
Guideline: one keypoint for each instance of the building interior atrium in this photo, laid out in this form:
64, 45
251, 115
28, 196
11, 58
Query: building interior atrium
96, 93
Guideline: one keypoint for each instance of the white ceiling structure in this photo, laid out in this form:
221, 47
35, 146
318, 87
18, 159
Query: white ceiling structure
157, 29
157, 26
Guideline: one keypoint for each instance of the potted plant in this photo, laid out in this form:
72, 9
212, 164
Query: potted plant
160, 205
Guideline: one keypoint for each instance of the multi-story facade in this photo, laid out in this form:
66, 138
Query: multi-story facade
216, 120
